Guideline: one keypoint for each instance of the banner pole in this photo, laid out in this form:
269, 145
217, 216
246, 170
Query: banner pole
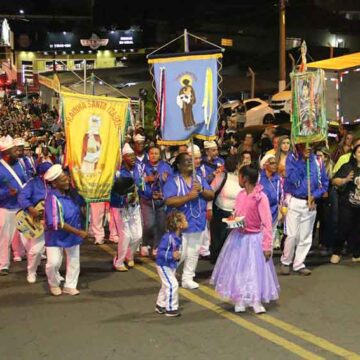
308, 175
186, 49
87, 215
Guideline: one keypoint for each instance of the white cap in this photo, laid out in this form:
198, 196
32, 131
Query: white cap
27, 145
196, 150
19, 141
6, 142
210, 144
53, 173
127, 149
264, 160
139, 138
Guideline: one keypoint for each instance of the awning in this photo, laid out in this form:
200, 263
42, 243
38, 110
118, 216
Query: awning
338, 63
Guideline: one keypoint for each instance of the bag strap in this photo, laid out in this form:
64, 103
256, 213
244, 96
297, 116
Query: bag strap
218, 191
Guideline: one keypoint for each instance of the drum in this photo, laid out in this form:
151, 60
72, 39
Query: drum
27, 226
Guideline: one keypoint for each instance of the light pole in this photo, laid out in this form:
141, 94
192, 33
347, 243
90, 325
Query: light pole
282, 48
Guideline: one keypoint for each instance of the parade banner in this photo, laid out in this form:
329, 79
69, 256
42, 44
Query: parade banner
93, 127
187, 96
308, 115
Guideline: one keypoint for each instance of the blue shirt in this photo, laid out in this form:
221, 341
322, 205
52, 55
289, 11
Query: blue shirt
296, 180
140, 164
26, 168
169, 243
209, 170
119, 201
61, 208
273, 190
157, 170
7, 181
33, 192
194, 210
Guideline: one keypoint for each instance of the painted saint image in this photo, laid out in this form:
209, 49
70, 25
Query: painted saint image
185, 100
91, 146
307, 105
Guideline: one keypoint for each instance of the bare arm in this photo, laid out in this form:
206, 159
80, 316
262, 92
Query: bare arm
208, 195
83, 234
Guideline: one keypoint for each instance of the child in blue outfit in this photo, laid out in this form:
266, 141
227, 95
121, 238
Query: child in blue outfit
167, 259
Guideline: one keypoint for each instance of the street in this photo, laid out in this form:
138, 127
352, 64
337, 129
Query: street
317, 317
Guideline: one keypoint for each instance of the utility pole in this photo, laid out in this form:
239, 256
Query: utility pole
252, 75
282, 48
92, 83
85, 90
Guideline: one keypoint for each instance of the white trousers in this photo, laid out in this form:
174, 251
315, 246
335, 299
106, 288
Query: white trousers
97, 212
299, 227
18, 244
54, 261
34, 248
191, 243
168, 295
126, 228
7, 231
205, 243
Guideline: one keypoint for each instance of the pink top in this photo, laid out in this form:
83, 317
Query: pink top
256, 209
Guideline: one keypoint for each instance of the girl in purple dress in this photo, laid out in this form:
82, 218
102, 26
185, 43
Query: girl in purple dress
244, 271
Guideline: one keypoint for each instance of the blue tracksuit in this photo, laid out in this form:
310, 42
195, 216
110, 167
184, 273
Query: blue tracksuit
169, 243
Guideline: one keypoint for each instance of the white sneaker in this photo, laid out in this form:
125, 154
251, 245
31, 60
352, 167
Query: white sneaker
17, 258
55, 290
190, 284
335, 259
144, 251
355, 259
240, 307
259, 308
31, 278
99, 242
71, 291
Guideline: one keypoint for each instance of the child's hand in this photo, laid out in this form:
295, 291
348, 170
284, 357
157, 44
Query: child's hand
176, 255
267, 254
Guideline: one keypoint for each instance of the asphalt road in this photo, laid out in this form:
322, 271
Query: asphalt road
317, 317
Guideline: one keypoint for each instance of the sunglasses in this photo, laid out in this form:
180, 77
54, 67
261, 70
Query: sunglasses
272, 163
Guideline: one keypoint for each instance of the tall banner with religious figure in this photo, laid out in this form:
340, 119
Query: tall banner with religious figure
187, 96
93, 127
308, 117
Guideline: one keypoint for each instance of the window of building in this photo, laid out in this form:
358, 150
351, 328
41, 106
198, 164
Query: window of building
27, 72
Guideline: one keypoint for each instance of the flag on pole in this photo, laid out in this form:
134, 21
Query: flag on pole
308, 116
93, 128
187, 96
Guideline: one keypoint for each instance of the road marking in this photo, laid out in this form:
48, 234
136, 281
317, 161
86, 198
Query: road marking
264, 333
291, 329
302, 334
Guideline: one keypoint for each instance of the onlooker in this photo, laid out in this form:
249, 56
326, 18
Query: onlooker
226, 187
347, 179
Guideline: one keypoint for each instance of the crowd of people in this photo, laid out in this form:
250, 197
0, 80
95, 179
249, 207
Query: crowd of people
169, 203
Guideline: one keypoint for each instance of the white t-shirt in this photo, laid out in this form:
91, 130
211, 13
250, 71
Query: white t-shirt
226, 199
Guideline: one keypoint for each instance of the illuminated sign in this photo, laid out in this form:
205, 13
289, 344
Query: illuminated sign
60, 46
126, 40
94, 42
226, 42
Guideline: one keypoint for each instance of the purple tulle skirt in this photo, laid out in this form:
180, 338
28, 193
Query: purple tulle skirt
241, 272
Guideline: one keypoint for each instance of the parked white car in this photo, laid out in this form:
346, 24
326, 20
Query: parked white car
255, 112
281, 102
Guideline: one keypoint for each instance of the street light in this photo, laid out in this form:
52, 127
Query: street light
21, 11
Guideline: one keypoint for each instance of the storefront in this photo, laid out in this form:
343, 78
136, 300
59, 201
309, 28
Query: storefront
34, 52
